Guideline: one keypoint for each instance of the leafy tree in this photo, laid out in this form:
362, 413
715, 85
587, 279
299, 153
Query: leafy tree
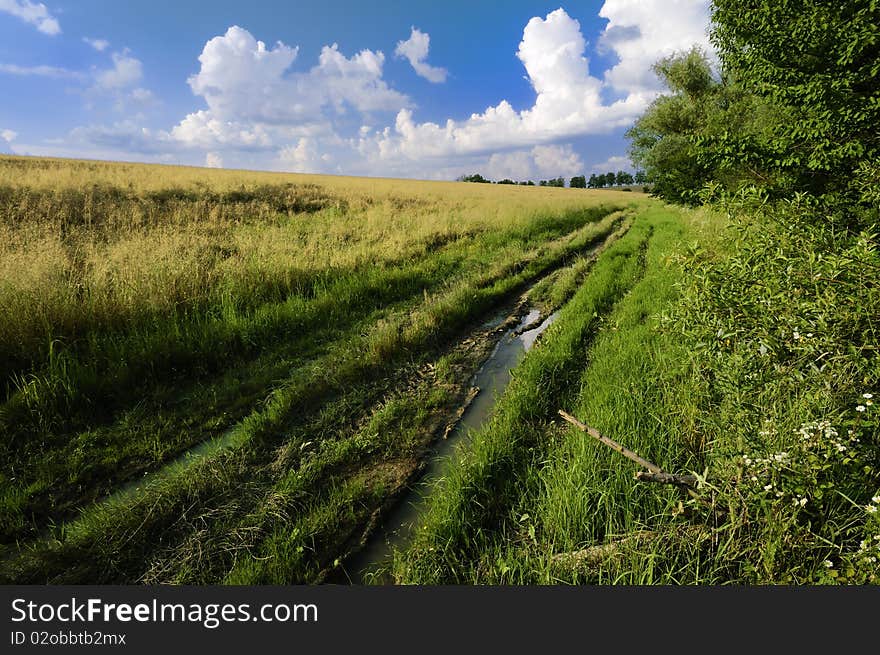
476, 177
578, 182
506, 181
610, 178
817, 62
641, 177
593, 182
624, 178
706, 129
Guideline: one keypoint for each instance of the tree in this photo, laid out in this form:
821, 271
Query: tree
578, 182
818, 64
683, 140
593, 182
640, 177
506, 181
476, 177
624, 178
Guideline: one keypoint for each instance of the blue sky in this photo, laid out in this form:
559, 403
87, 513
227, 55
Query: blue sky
519, 89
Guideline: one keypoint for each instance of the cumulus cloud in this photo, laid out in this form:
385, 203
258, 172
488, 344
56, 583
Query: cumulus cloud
415, 49
569, 99
34, 13
98, 44
305, 157
244, 81
262, 110
640, 32
568, 102
539, 162
204, 129
125, 136
214, 160
613, 164
126, 72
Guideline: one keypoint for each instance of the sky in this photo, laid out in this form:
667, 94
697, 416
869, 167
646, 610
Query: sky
432, 90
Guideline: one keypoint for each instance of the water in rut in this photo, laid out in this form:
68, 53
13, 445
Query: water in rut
368, 565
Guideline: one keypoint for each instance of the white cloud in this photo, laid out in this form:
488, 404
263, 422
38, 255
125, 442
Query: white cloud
6, 139
540, 162
613, 164
41, 71
305, 157
244, 81
263, 112
98, 44
557, 160
142, 96
125, 136
569, 100
214, 160
640, 32
518, 166
568, 103
127, 71
34, 13
203, 129
415, 49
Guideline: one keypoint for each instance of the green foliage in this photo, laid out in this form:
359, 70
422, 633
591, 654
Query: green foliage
578, 182
475, 177
687, 139
783, 340
818, 63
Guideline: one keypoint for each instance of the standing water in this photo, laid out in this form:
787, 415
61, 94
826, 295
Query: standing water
394, 532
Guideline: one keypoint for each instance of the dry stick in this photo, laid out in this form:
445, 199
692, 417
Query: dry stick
626, 452
667, 478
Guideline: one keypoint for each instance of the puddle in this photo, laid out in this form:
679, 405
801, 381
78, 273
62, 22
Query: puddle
175, 467
394, 532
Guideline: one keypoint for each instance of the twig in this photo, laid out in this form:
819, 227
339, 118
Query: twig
667, 478
626, 452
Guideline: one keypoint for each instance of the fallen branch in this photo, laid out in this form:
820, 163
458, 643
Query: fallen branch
626, 452
596, 555
667, 478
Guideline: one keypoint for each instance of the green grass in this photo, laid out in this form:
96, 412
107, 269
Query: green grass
119, 401
716, 352
326, 389
471, 508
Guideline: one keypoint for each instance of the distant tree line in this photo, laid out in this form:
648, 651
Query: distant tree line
476, 177
603, 180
